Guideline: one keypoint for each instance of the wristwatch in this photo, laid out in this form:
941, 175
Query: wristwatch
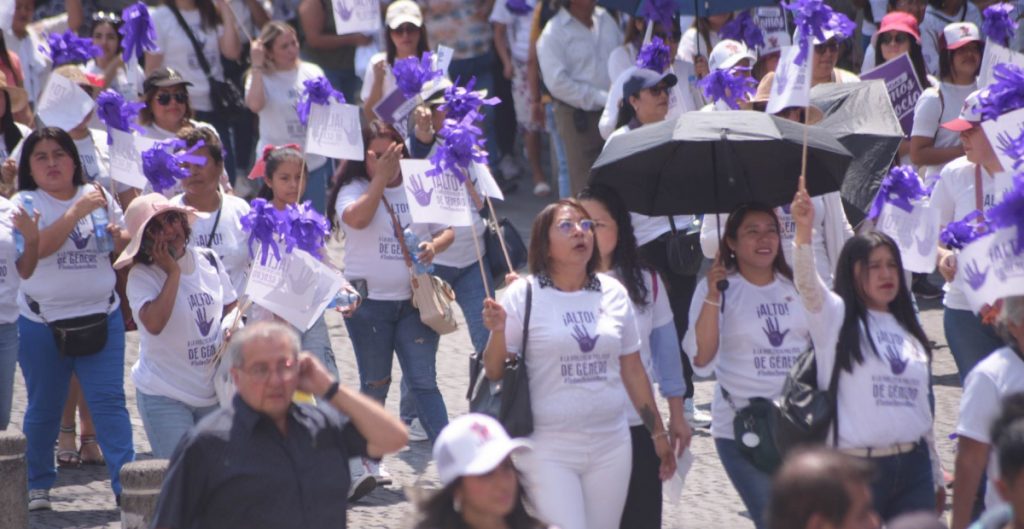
332, 390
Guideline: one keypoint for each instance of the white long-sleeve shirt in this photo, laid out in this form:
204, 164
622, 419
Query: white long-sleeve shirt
573, 58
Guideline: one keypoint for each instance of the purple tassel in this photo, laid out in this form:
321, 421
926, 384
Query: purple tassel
812, 18
138, 35
68, 48
264, 223
460, 101
999, 25
305, 228
898, 188
518, 7
1010, 211
463, 144
729, 85
1005, 94
316, 91
654, 55
116, 113
659, 11
163, 164
960, 233
742, 28
412, 73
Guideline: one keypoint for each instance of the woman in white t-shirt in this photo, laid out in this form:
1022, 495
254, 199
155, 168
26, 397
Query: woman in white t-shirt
406, 37
365, 202
698, 41
659, 349
937, 17
272, 90
824, 55
866, 327
931, 146
179, 295
109, 65
73, 286
583, 359
18, 260
748, 336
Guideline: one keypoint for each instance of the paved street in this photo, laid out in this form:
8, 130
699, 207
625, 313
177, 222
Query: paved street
82, 498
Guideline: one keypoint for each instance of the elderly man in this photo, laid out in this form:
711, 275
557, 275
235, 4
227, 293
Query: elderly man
822, 489
267, 461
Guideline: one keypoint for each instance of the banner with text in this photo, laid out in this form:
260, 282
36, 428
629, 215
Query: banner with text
297, 288
334, 131
903, 85
991, 268
126, 158
356, 16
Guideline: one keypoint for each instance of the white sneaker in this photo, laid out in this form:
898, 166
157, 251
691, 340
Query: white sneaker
697, 418
416, 431
509, 168
362, 482
39, 500
377, 470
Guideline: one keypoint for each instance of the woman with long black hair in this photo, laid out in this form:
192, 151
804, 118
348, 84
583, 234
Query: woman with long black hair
109, 65
12, 100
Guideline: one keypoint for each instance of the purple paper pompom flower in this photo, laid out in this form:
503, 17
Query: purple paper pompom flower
461, 101
68, 48
1010, 211
998, 25
518, 7
731, 85
164, 164
412, 73
960, 233
742, 28
116, 113
305, 229
463, 144
658, 11
1005, 93
264, 224
138, 35
655, 55
315, 91
811, 19
899, 188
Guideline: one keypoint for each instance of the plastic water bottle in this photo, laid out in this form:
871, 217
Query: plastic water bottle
104, 242
343, 299
412, 241
28, 204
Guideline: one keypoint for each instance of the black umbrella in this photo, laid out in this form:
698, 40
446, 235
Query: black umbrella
861, 117
710, 162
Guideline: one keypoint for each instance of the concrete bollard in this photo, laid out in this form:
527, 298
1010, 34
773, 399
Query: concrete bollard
140, 488
13, 480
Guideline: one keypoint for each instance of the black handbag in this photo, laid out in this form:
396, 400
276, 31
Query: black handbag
803, 413
225, 95
515, 412
495, 256
753, 428
683, 249
79, 336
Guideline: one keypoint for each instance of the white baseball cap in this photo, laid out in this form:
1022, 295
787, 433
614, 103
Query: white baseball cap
970, 113
473, 445
960, 33
401, 12
727, 53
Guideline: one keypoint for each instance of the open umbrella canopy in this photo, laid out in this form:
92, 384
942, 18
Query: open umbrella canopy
700, 8
710, 162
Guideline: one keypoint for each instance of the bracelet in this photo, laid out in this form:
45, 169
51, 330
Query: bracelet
712, 303
663, 433
332, 390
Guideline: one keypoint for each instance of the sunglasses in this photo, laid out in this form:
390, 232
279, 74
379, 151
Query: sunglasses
832, 46
657, 90
889, 38
406, 28
165, 98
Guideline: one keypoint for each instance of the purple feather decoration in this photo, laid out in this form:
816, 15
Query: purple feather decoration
264, 224
316, 91
412, 73
960, 233
654, 55
1005, 94
116, 113
898, 188
729, 85
138, 34
659, 12
998, 24
518, 7
742, 28
163, 164
463, 144
1010, 211
811, 19
68, 48
305, 229
461, 101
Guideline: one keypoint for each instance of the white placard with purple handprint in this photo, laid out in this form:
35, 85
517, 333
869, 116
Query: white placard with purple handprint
995, 54
1001, 133
334, 131
991, 268
63, 104
915, 232
792, 84
438, 199
356, 16
126, 157
297, 288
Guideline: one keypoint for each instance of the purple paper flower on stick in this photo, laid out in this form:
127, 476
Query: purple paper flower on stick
731, 85
138, 34
659, 11
463, 144
812, 19
412, 73
316, 91
960, 233
998, 24
68, 48
117, 114
898, 188
305, 229
1010, 211
461, 101
264, 224
163, 164
1005, 93
655, 55
518, 7
742, 28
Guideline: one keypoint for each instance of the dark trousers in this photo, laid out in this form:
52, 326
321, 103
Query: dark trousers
680, 291
643, 500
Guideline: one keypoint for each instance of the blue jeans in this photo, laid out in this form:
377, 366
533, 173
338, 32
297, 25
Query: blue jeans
47, 375
903, 483
481, 67
382, 329
317, 340
969, 339
316, 187
8, 361
167, 420
753, 486
559, 147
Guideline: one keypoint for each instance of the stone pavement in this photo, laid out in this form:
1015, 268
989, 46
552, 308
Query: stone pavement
82, 497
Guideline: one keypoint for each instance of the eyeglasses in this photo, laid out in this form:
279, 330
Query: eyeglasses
165, 98
286, 369
831, 46
585, 225
406, 28
889, 38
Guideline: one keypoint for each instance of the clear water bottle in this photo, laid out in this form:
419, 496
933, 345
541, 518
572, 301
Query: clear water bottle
412, 241
104, 242
28, 204
343, 299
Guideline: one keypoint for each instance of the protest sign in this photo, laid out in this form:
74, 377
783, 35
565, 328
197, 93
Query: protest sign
297, 288
792, 84
770, 19
126, 157
6, 17
991, 268
995, 54
440, 199
334, 131
1001, 133
903, 86
395, 106
484, 181
63, 104
916, 233
356, 16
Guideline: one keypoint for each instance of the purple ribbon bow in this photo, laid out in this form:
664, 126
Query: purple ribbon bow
998, 25
318, 91
960, 233
742, 28
264, 223
68, 48
412, 73
1005, 93
812, 18
1010, 211
659, 11
163, 164
138, 34
518, 7
460, 101
305, 229
898, 188
729, 85
654, 55
463, 144
116, 113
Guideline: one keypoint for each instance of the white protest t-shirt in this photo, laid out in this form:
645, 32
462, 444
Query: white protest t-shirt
762, 333
576, 339
179, 54
997, 376
229, 241
25, 131
518, 29
178, 363
9, 278
932, 111
279, 122
373, 253
462, 252
370, 77
94, 154
120, 83
954, 197
77, 279
658, 312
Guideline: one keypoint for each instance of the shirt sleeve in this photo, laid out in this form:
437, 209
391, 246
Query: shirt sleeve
979, 407
555, 71
927, 114
141, 289
630, 341
353, 441
183, 489
514, 303
500, 13
349, 194
668, 364
369, 77
227, 289
690, 338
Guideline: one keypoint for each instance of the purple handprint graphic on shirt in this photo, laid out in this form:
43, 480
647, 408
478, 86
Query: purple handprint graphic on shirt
771, 330
896, 362
76, 237
204, 324
344, 11
974, 276
584, 339
422, 197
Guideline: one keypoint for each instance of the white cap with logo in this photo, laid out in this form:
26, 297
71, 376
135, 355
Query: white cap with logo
473, 445
727, 53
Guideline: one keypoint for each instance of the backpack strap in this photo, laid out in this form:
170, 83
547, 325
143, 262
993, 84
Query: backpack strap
833, 390
526, 319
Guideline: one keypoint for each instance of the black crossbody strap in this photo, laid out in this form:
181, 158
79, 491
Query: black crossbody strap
833, 389
216, 222
200, 56
526, 318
